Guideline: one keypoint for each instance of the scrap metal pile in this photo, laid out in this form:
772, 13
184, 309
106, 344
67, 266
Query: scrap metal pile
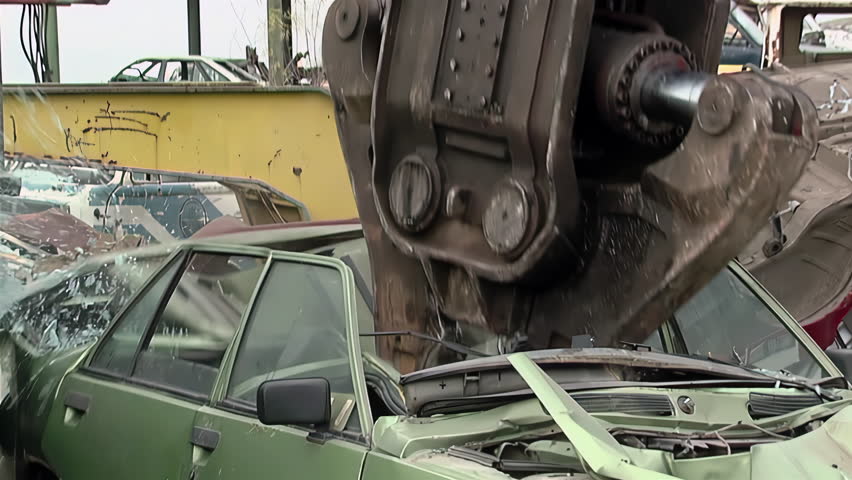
554, 171
54, 212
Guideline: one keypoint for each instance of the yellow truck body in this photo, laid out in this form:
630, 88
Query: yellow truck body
284, 136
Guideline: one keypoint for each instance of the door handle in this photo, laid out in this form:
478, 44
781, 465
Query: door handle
78, 401
204, 441
76, 406
205, 438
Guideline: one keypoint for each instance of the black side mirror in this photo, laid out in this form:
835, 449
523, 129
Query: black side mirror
842, 358
304, 401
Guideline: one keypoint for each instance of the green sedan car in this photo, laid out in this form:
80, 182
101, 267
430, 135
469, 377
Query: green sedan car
254, 356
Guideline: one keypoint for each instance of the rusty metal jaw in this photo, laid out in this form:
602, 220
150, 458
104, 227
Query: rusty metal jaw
476, 208
663, 238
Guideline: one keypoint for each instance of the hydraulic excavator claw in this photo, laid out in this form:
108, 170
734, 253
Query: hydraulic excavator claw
554, 171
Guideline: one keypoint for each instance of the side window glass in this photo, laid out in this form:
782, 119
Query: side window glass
116, 353
78, 309
152, 74
198, 322
655, 341
136, 71
297, 329
173, 72
141, 177
212, 74
195, 73
728, 322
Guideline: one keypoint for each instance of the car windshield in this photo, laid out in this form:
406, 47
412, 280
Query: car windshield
726, 322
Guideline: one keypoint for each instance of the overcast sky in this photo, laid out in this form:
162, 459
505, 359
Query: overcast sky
95, 42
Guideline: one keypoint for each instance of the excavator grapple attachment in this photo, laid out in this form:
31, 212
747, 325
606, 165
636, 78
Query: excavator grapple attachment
552, 169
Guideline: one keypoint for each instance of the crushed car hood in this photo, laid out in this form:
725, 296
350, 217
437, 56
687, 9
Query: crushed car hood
821, 454
454, 444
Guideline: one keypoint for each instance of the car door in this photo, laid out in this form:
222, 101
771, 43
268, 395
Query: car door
301, 325
128, 410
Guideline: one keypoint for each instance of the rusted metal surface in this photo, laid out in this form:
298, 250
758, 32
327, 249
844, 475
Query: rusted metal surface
509, 174
804, 257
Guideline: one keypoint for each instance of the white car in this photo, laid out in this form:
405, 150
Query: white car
193, 68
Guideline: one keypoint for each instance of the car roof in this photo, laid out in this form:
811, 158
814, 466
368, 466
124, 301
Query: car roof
294, 236
186, 58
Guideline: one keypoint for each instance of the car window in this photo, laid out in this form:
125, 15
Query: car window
142, 177
136, 71
77, 309
236, 70
212, 74
173, 72
117, 352
728, 322
198, 322
195, 73
354, 253
655, 341
297, 329
152, 74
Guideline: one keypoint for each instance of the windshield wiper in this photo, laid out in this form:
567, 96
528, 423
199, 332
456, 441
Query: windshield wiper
816, 389
455, 347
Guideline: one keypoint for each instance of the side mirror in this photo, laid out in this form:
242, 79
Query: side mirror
842, 358
305, 401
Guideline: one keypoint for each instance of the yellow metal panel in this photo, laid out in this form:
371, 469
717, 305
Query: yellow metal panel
286, 137
730, 68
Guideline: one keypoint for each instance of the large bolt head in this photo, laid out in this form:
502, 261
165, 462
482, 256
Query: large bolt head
412, 194
506, 220
716, 108
346, 19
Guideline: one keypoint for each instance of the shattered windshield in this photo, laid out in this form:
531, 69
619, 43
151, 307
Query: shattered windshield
69, 309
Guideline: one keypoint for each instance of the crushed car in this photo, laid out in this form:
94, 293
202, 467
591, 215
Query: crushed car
192, 68
256, 352
550, 289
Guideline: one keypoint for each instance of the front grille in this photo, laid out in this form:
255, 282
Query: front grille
630, 403
762, 405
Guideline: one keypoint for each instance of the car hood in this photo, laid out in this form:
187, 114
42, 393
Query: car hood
448, 444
